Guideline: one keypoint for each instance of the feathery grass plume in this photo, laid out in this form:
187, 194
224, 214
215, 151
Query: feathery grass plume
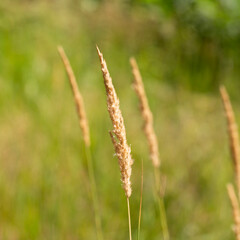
233, 134
235, 209
118, 135
83, 122
146, 114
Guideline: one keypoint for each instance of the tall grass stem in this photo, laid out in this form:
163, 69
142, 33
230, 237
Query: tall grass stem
140, 205
129, 219
94, 192
161, 205
83, 123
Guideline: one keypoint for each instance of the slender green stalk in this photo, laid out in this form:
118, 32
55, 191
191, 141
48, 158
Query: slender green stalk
140, 205
161, 205
94, 192
129, 220
163, 218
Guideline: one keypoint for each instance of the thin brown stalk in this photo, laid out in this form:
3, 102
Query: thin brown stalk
118, 135
146, 114
235, 209
83, 122
233, 134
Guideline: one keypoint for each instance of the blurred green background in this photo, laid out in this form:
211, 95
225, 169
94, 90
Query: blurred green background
185, 50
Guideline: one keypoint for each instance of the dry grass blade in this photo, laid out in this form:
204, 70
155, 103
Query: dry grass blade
118, 134
146, 114
235, 209
77, 96
233, 134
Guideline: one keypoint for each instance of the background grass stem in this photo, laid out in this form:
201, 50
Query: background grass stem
140, 205
129, 220
94, 192
161, 205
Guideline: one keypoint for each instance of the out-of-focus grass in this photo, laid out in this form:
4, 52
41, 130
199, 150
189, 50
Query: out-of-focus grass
44, 186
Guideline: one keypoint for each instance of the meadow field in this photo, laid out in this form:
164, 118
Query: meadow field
45, 191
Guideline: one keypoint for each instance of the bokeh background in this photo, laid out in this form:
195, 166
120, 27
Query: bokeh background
185, 50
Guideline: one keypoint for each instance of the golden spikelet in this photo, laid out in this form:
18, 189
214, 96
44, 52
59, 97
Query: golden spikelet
118, 134
235, 209
146, 114
233, 134
83, 122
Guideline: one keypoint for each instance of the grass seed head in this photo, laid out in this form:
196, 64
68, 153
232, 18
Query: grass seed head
146, 114
235, 208
83, 122
118, 134
233, 134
